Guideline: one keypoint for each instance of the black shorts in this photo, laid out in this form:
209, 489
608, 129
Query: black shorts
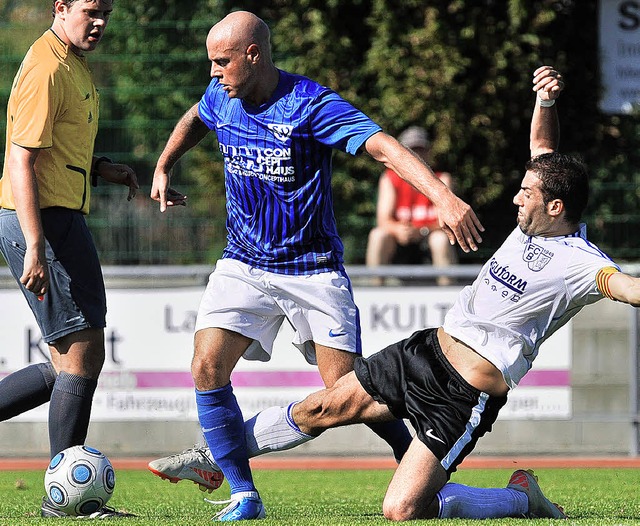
415, 380
76, 298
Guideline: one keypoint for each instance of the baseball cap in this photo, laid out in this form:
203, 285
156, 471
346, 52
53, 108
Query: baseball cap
414, 137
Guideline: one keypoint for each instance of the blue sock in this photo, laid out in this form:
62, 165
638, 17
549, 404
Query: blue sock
466, 502
223, 428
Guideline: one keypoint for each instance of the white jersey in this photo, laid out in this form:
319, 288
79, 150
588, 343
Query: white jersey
530, 288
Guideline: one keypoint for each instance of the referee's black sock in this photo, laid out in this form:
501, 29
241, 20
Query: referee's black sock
25, 389
394, 433
69, 411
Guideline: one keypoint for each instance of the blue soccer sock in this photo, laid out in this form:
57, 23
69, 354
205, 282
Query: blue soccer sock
394, 433
223, 428
25, 389
466, 502
70, 411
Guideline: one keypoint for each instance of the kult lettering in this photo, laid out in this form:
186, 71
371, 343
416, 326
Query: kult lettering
389, 317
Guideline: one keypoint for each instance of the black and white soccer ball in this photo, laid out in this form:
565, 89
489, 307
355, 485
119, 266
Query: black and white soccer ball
79, 480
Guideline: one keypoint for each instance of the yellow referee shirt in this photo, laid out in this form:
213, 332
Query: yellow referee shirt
53, 106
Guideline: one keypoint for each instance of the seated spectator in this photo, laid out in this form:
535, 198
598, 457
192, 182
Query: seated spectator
407, 230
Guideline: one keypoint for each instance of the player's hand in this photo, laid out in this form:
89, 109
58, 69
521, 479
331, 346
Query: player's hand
164, 194
120, 174
35, 273
460, 223
547, 83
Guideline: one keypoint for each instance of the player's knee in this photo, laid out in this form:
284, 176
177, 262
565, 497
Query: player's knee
197, 367
208, 374
201, 368
81, 353
398, 510
92, 361
402, 508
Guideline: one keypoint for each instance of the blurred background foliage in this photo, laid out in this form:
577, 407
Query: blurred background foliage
462, 69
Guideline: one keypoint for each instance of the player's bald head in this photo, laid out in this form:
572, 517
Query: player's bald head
239, 30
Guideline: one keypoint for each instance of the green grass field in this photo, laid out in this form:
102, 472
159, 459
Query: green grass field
589, 496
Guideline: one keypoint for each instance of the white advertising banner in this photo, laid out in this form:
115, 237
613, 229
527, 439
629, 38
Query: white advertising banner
619, 55
149, 347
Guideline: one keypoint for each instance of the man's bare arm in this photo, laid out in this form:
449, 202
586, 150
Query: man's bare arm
189, 131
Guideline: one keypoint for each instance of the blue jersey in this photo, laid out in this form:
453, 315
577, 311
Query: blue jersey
277, 163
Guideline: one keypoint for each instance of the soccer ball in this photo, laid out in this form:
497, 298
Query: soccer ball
79, 480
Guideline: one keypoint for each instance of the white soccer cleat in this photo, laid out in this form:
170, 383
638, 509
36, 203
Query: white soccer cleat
539, 506
195, 464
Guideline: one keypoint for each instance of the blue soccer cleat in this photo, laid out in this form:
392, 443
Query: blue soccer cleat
242, 506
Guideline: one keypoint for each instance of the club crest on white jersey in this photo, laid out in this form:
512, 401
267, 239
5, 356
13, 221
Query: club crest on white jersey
536, 257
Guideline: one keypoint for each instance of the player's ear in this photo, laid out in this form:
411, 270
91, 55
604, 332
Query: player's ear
555, 207
253, 53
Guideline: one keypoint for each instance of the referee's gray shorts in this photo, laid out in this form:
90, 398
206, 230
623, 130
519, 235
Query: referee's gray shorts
415, 381
76, 298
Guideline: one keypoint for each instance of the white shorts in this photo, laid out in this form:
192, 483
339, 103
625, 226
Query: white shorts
254, 303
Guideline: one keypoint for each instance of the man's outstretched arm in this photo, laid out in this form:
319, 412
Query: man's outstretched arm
545, 128
620, 286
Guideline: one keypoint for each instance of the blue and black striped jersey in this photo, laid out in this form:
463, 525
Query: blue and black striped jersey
277, 162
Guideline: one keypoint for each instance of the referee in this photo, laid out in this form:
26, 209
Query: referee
45, 192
